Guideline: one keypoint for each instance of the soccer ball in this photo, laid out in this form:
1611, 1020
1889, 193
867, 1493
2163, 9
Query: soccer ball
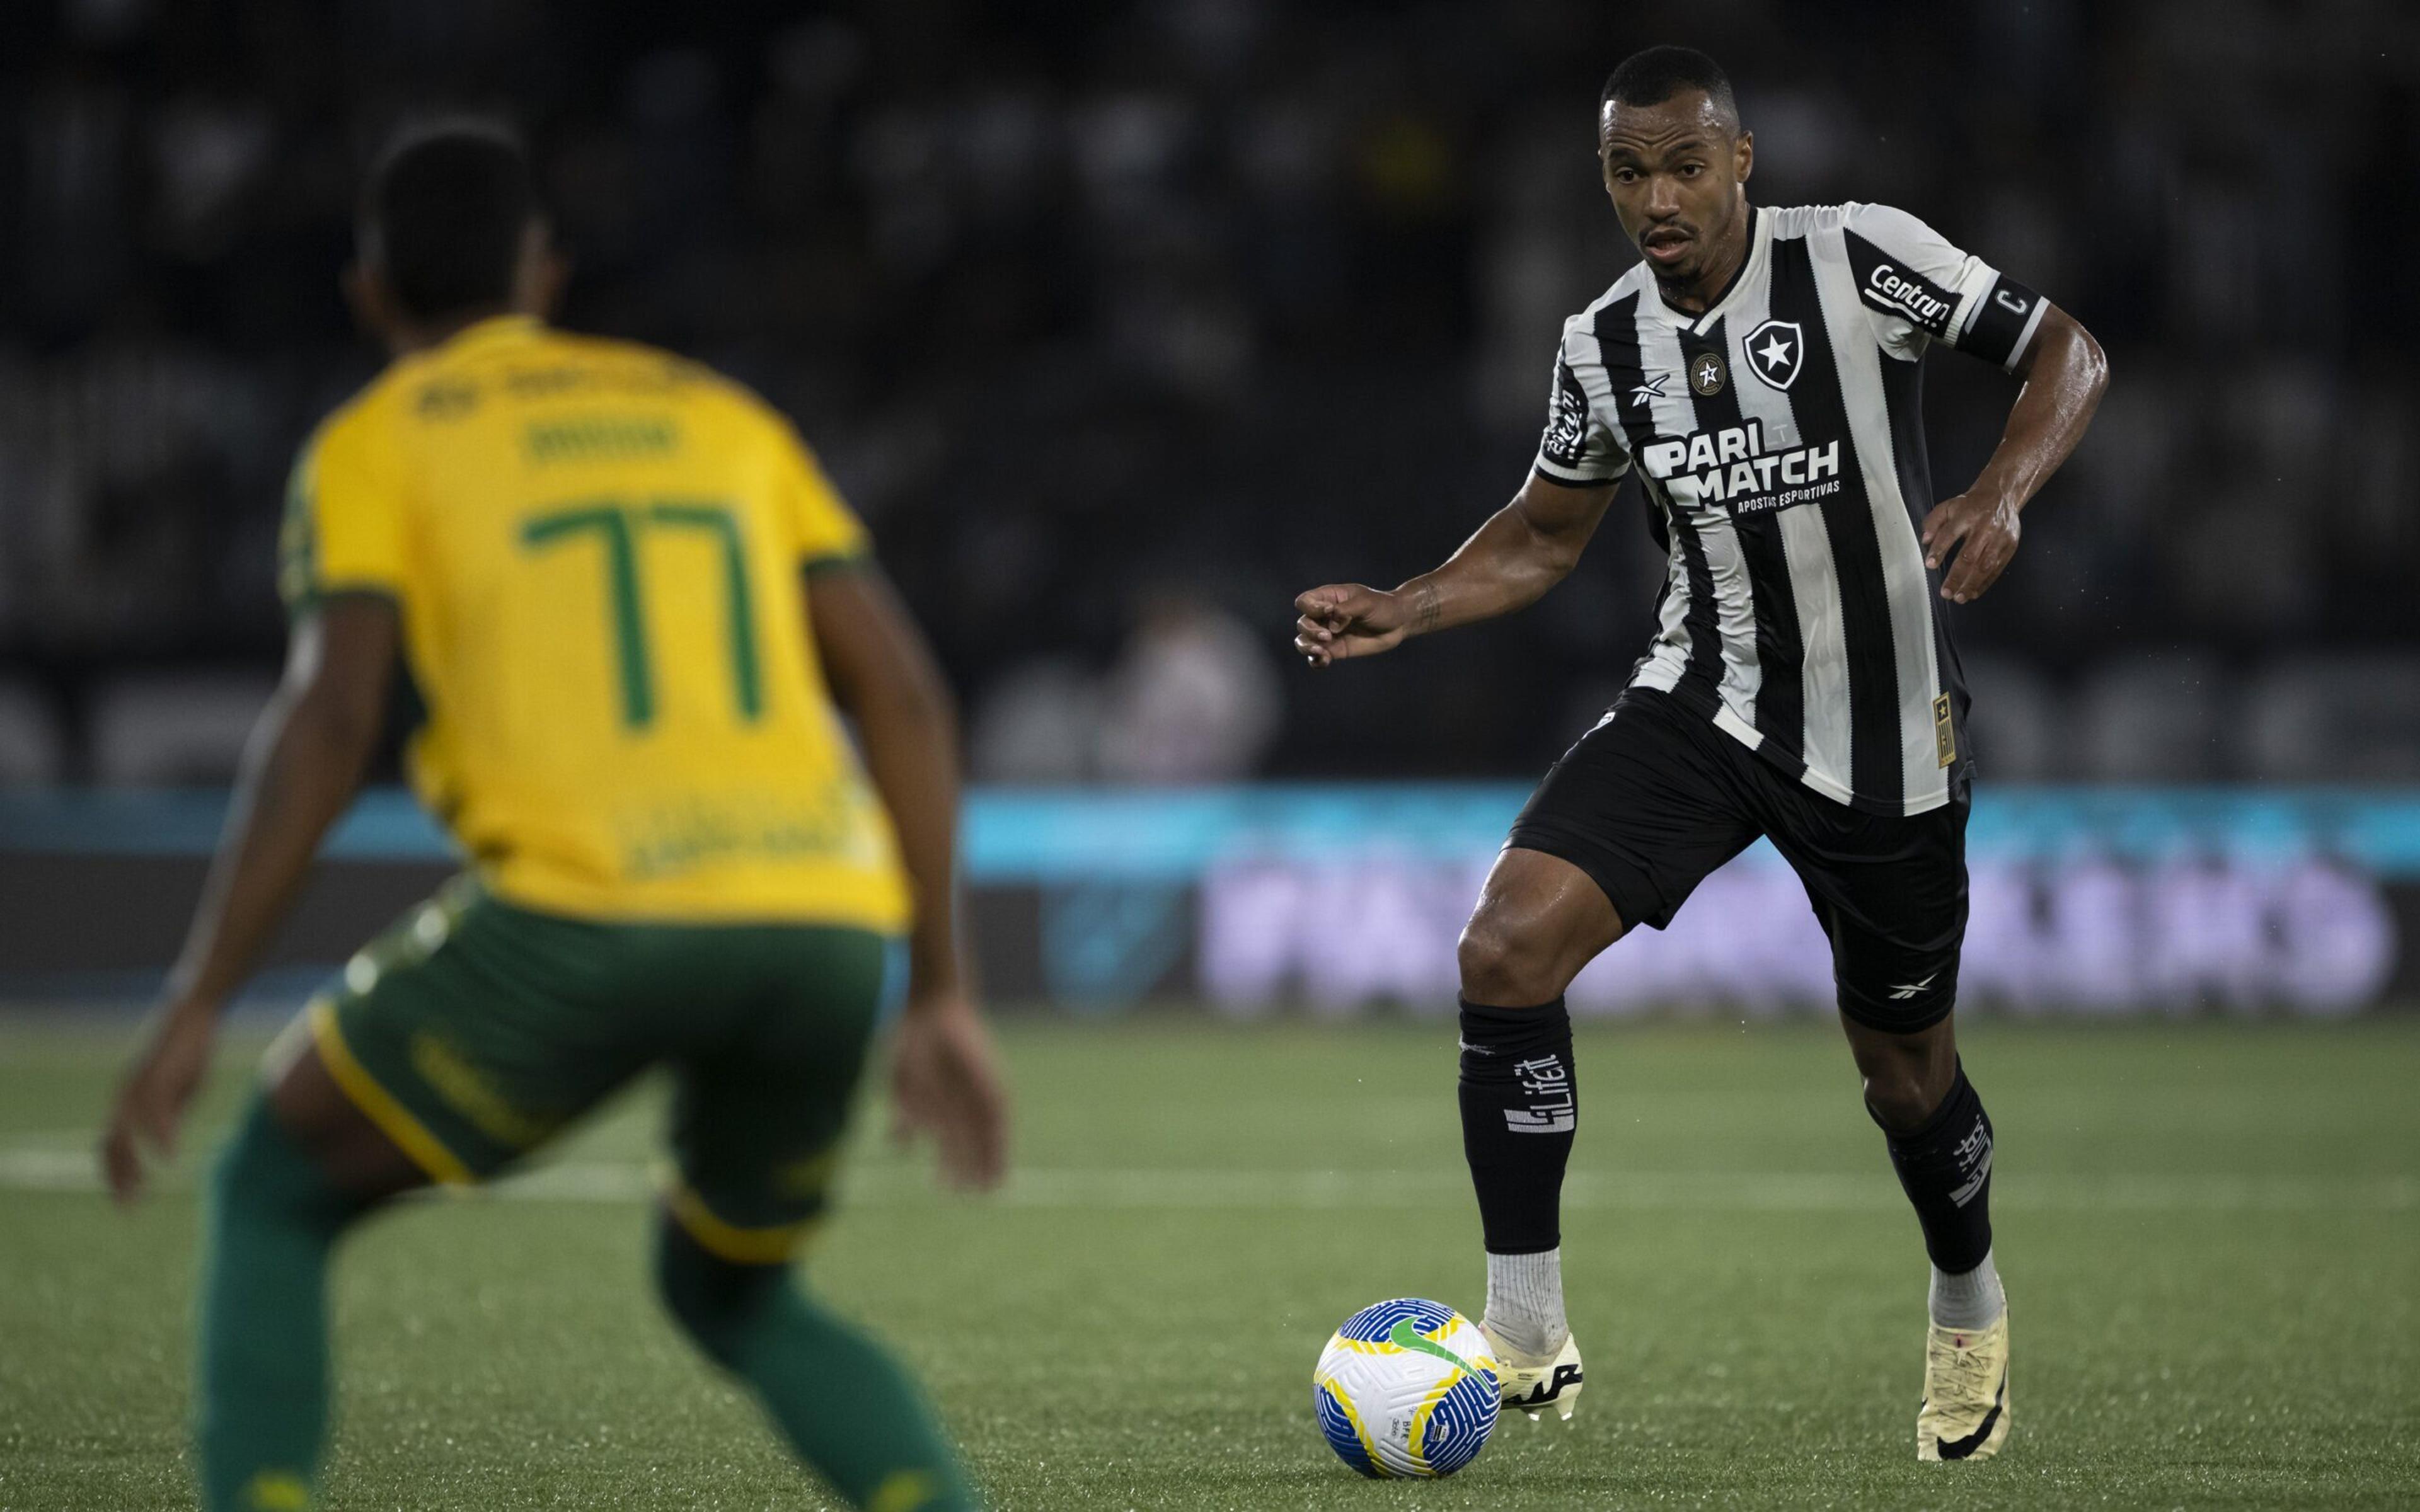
1406, 1388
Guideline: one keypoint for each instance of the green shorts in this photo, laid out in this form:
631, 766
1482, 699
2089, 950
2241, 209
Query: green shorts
474, 1030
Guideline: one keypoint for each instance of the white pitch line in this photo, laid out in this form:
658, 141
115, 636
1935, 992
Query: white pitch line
1058, 1188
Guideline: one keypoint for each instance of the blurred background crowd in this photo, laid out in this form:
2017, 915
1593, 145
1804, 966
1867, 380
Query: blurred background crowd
1124, 320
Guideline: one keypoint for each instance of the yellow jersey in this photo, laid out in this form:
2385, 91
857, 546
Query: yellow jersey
602, 554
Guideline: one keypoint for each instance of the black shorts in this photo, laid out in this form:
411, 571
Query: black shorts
1656, 798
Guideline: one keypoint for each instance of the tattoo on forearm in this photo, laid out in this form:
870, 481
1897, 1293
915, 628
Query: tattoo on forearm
1426, 610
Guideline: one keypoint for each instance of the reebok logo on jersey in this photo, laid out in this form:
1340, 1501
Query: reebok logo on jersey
1651, 391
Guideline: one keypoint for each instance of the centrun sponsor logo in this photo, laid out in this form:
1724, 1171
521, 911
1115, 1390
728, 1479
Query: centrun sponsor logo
1910, 296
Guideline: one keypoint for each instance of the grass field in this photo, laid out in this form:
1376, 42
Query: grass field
2211, 1234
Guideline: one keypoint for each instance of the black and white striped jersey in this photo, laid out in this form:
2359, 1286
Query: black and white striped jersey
1780, 440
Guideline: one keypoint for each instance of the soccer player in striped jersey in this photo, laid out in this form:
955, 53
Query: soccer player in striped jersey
1760, 371
636, 613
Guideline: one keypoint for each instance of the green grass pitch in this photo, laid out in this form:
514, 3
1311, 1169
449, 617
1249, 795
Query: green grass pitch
2210, 1232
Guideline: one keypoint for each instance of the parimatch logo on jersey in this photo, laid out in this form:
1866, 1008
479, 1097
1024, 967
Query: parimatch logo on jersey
1732, 467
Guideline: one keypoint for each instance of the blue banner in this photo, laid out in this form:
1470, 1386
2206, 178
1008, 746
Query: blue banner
1048, 835
1337, 895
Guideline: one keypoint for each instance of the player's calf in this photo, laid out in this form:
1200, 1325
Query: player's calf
1520, 1108
1540, 919
840, 1401
715, 1302
273, 1219
1945, 1165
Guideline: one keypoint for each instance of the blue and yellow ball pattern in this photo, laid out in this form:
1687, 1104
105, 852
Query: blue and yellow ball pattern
1406, 1387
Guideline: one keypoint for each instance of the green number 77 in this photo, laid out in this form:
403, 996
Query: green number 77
621, 527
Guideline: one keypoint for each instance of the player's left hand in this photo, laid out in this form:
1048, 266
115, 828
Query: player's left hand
1989, 528
158, 1089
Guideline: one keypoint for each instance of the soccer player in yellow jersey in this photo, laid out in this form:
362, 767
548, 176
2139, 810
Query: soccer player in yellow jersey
635, 612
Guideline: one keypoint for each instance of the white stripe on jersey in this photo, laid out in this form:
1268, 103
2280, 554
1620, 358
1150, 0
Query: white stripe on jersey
1659, 351
1814, 590
1668, 658
1734, 613
1676, 414
1859, 364
1823, 676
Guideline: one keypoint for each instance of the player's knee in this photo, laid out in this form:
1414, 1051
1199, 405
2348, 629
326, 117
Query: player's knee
1503, 967
263, 1172
1900, 1097
715, 1301
235, 1176
1487, 956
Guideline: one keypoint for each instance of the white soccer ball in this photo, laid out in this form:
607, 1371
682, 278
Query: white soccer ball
1406, 1388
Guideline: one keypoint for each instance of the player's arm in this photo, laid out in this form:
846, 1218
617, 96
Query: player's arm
300, 771
882, 674
2065, 373
1524, 548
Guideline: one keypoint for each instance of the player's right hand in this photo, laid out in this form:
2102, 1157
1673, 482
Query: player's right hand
1343, 620
945, 1082
152, 1100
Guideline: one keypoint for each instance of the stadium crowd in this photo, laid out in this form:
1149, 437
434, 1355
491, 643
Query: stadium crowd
1122, 322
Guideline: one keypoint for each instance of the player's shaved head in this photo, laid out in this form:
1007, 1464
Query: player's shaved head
447, 215
1676, 164
1654, 75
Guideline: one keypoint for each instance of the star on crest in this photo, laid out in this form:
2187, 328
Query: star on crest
1774, 351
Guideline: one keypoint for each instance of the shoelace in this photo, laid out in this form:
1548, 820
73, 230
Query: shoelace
1964, 1375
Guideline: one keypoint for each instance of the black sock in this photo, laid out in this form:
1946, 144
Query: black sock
1520, 1103
1946, 1167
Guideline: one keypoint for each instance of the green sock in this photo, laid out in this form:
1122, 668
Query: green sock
845, 1408
262, 1407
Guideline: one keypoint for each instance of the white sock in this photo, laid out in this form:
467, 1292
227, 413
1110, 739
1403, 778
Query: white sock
1525, 1300
1974, 1300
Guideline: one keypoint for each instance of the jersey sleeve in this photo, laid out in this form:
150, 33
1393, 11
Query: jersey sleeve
1583, 446
824, 531
1919, 289
344, 527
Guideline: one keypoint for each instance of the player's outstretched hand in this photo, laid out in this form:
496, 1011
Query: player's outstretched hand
1989, 528
945, 1082
1343, 620
158, 1089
